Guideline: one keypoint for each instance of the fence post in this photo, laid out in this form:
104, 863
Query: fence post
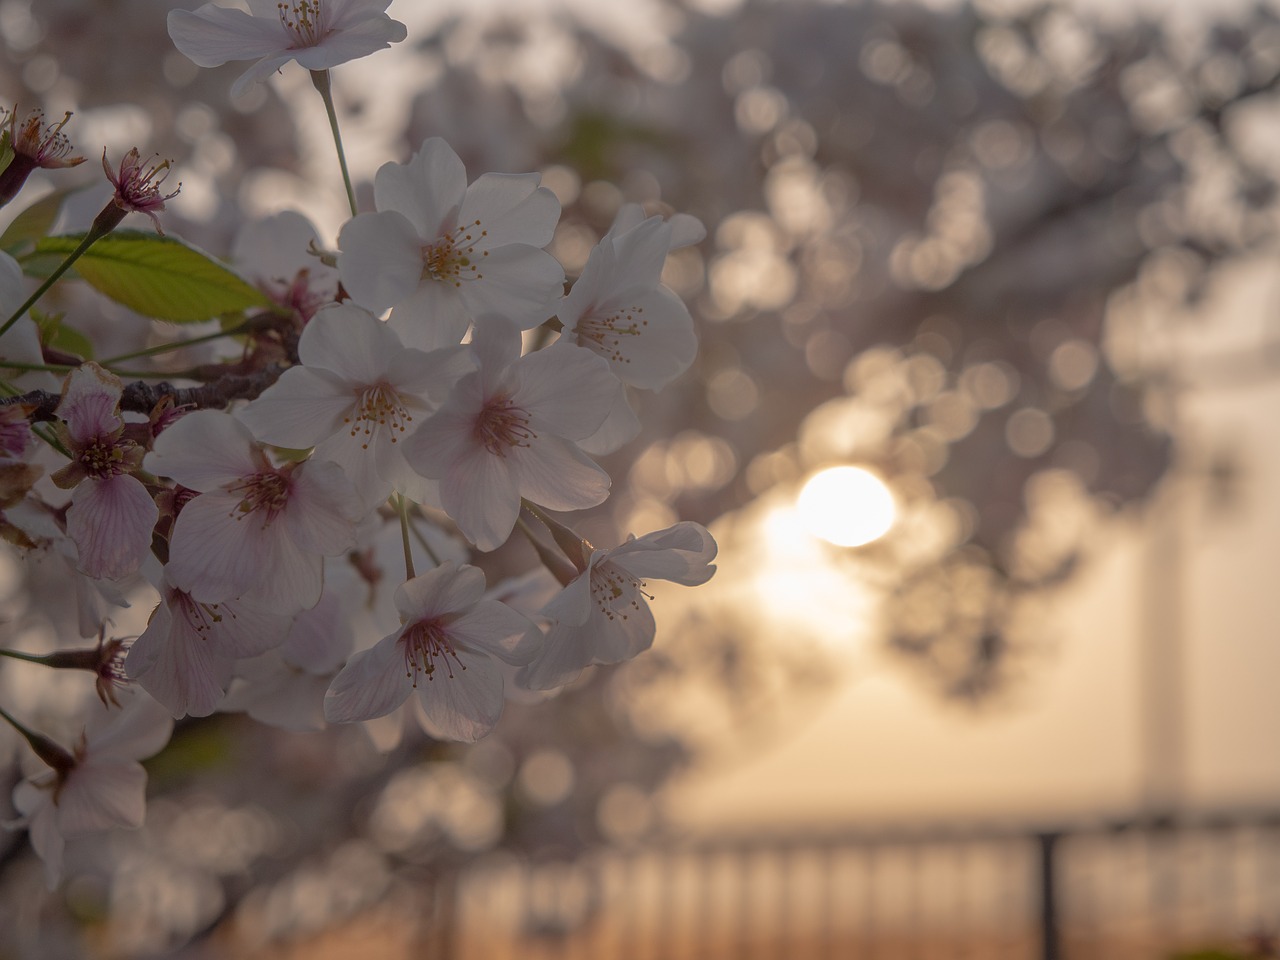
1050, 937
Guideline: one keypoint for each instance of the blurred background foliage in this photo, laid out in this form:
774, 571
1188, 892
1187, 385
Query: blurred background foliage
941, 243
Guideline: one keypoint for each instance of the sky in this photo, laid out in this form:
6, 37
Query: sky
1068, 742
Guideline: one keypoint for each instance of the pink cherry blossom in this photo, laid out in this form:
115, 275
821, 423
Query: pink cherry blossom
257, 531
275, 254
603, 615
318, 34
184, 658
443, 253
111, 514
508, 431
446, 650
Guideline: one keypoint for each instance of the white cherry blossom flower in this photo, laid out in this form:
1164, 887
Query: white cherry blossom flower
508, 431
603, 615
98, 786
444, 254
273, 253
184, 658
285, 687
257, 531
619, 308
446, 650
318, 34
358, 395
111, 514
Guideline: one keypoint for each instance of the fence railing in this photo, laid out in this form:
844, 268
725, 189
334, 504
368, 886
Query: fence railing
1128, 890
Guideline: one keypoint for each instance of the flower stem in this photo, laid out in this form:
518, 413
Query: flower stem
51, 753
320, 80
178, 344
402, 507
90, 238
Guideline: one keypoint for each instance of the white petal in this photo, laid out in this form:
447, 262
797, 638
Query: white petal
381, 259
443, 590
520, 282
322, 509
204, 450
511, 208
465, 706
351, 342
566, 650
494, 629
427, 190
372, 684
215, 551
212, 35
556, 474
567, 391
479, 492
101, 794
300, 409
680, 553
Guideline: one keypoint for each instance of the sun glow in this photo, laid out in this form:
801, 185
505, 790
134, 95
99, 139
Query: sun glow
847, 506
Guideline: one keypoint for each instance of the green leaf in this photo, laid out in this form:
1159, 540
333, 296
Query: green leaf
160, 277
35, 221
56, 334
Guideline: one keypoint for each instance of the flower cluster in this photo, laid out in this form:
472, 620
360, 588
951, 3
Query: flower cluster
391, 389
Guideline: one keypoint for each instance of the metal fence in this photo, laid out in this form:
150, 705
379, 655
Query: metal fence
1123, 891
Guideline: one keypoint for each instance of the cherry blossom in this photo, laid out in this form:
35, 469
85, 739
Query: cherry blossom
111, 514
137, 187
443, 253
256, 530
285, 687
446, 650
619, 308
357, 397
275, 253
98, 786
184, 657
36, 145
507, 431
603, 615
318, 34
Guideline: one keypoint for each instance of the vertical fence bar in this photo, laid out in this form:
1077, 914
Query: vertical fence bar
1050, 935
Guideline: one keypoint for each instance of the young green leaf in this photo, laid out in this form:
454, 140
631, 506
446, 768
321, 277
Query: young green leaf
34, 222
160, 277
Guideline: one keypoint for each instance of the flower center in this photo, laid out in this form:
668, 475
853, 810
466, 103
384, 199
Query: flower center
263, 492
202, 617
502, 425
379, 406
604, 334
304, 19
452, 258
615, 592
426, 641
103, 458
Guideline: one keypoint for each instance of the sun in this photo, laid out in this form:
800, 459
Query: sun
847, 506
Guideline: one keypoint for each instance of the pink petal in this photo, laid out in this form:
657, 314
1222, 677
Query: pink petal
480, 494
567, 391
111, 522
300, 409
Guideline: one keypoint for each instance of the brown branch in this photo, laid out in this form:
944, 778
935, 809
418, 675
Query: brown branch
141, 397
